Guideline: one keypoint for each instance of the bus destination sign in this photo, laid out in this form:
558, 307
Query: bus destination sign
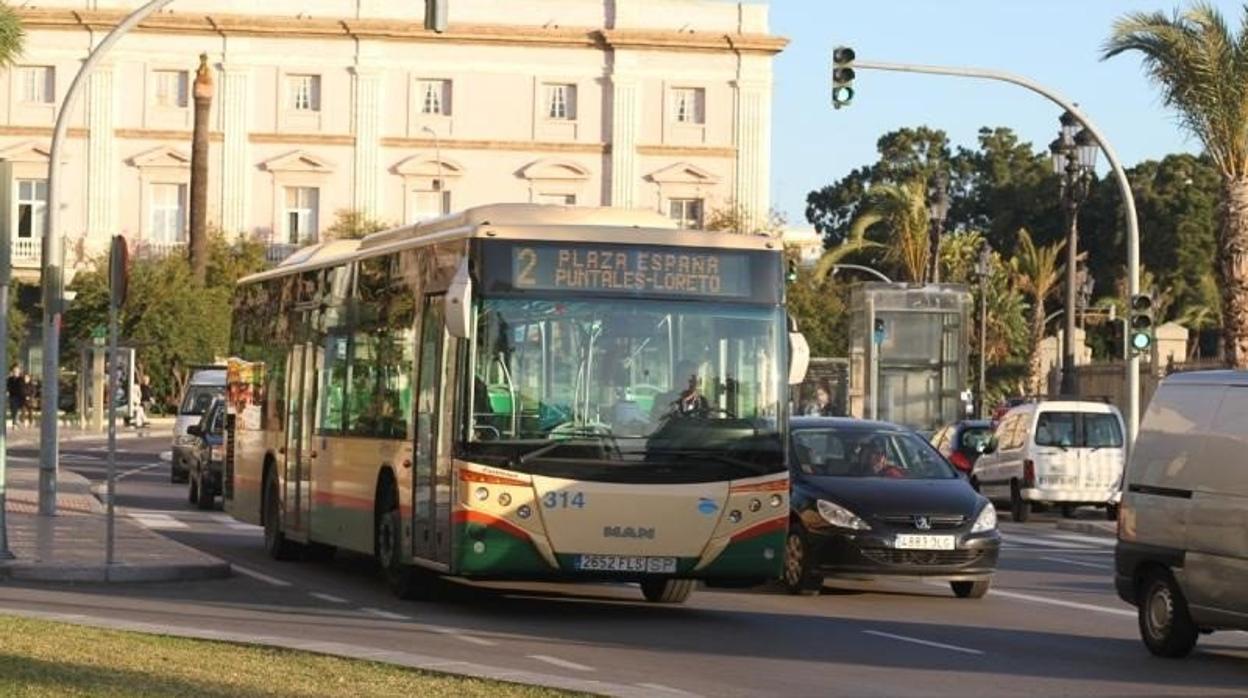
668, 271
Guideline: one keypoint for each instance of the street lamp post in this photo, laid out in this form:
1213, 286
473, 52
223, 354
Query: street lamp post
937, 210
983, 269
1074, 159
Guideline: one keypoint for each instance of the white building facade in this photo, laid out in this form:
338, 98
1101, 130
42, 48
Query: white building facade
326, 106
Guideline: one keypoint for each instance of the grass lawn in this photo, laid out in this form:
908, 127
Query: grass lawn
39, 658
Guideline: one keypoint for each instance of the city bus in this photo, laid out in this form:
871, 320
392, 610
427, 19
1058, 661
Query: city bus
520, 392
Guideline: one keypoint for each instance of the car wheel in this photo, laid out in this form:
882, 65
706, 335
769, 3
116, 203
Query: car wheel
177, 475
206, 498
660, 590
1165, 623
192, 491
275, 542
971, 590
1069, 511
1020, 509
799, 576
1111, 512
402, 579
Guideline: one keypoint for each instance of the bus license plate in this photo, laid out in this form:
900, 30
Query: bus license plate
626, 563
923, 542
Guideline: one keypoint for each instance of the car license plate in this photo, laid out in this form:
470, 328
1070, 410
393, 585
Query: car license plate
626, 563
923, 542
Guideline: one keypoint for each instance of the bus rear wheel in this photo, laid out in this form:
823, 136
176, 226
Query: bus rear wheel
666, 590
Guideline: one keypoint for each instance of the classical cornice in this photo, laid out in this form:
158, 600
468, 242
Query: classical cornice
469, 144
686, 151
382, 29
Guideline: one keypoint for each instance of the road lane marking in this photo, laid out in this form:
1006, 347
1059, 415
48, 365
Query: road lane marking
1016, 541
452, 632
1077, 563
328, 598
1102, 541
166, 456
926, 643
385, 615
560, 662
157, 521
128, 473
247, 571
665, 689
1065, 604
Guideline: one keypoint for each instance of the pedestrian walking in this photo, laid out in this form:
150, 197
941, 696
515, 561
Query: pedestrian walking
139, 418
15, 387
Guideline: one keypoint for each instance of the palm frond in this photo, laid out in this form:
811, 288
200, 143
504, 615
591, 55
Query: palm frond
12, 36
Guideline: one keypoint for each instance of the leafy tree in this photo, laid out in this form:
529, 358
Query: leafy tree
12, 36
1201, 68
820, 306
900, 210
733, 218
1037, 271
350, 224
19, 324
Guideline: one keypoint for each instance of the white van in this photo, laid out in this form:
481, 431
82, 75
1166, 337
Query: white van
207, 383
1064, 452
1182, 555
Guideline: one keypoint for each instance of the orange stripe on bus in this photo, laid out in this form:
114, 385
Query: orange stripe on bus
771, 486
762, 529
489, 479
477, 517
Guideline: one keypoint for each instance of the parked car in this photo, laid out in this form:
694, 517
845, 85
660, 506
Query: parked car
207, 384
1182, 553
964, 442
208, 463
872, 500
1064, 452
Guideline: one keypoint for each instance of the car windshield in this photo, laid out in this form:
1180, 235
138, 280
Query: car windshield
627, 382
1079, 430
866, 452
199, 398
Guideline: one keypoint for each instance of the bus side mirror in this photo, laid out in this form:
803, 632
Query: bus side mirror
459, 303
799, 358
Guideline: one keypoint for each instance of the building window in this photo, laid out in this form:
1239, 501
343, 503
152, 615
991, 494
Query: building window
172, 89
305, 92
430, 202
435, 97
558, 199
689, 105
561, 102
168, 213
686, 212
302, 204
37, 84
32, 207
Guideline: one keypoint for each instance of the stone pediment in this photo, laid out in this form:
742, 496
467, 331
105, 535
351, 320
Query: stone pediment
298, 161
29, 151
555, 170
425, 166
164, 156
682, 173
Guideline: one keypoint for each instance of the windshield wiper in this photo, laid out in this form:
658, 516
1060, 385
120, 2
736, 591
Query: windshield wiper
581, 434
709, 455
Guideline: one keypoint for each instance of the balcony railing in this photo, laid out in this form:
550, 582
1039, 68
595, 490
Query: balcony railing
27, 253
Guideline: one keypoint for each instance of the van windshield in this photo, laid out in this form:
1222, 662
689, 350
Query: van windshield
1078, 430
199, 398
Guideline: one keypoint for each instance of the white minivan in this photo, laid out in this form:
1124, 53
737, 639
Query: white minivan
1064, 452
207, 383
1182, 554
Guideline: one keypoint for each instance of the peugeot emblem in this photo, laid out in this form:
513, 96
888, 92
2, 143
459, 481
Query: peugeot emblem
922, 523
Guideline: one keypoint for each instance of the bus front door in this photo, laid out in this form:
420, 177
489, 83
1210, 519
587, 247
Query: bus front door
300, 449
426, 514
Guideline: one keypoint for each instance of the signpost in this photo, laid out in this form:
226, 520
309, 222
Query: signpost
118, 278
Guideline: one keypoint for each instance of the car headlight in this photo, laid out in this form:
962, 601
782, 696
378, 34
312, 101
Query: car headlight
187, 440
838, 515
987, 520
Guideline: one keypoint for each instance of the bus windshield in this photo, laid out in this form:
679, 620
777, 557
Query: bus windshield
692, 389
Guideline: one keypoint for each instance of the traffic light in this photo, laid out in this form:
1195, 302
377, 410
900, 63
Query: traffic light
1141, 323
842, 76
790, 273
435, 15
879, 331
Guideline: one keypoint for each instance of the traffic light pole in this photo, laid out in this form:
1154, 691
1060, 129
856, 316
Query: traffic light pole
1124, 187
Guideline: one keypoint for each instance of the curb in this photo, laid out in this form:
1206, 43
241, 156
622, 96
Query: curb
410, 660
116, 573
22, 442
1100, 528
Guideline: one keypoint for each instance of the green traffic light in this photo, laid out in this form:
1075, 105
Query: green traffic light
1141, 341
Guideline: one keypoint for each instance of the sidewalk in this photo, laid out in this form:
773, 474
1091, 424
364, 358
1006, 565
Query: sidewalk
25, 437
69, 547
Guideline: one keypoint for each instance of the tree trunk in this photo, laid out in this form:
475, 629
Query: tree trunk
1233, 258
1035, 360
197, 247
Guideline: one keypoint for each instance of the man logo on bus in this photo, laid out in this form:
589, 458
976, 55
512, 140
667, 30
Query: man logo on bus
707, 506
639, 532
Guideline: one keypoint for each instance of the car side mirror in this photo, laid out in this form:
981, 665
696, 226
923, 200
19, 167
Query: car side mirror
988, 446
195, 430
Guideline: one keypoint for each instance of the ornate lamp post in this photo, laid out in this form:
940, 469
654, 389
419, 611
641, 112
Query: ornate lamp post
937, 211
983, 269
1074, 159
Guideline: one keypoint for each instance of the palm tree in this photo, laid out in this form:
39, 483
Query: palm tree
902, 209
1197, 318
827, 263
1201, 68
11, 35
1037, 271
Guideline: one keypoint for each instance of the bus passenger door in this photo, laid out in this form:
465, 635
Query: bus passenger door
301, 395
428, 403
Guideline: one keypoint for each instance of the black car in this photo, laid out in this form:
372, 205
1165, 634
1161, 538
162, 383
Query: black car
873, 500
206, 464
964, 442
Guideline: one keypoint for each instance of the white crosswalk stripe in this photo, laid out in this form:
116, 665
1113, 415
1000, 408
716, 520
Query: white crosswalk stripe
192, 521
1049, 542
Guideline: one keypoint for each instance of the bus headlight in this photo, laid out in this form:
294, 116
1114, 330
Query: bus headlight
776, 500
734, 516
524, 511
504, 499
987, 520
482, 494
755, 505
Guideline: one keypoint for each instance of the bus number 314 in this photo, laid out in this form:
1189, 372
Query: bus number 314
564, 500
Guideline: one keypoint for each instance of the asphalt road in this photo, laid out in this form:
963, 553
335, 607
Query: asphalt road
1052, 624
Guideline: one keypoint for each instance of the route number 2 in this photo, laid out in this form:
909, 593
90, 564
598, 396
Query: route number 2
528, 262
564, 500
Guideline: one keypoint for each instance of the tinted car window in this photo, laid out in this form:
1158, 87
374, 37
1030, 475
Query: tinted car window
1079, 430
973, 437
858, 452
199, 398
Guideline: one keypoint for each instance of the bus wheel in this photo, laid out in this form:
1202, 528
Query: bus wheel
388, 546
659, 590
275, 542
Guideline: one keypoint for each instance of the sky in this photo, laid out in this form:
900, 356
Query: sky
1055, 42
